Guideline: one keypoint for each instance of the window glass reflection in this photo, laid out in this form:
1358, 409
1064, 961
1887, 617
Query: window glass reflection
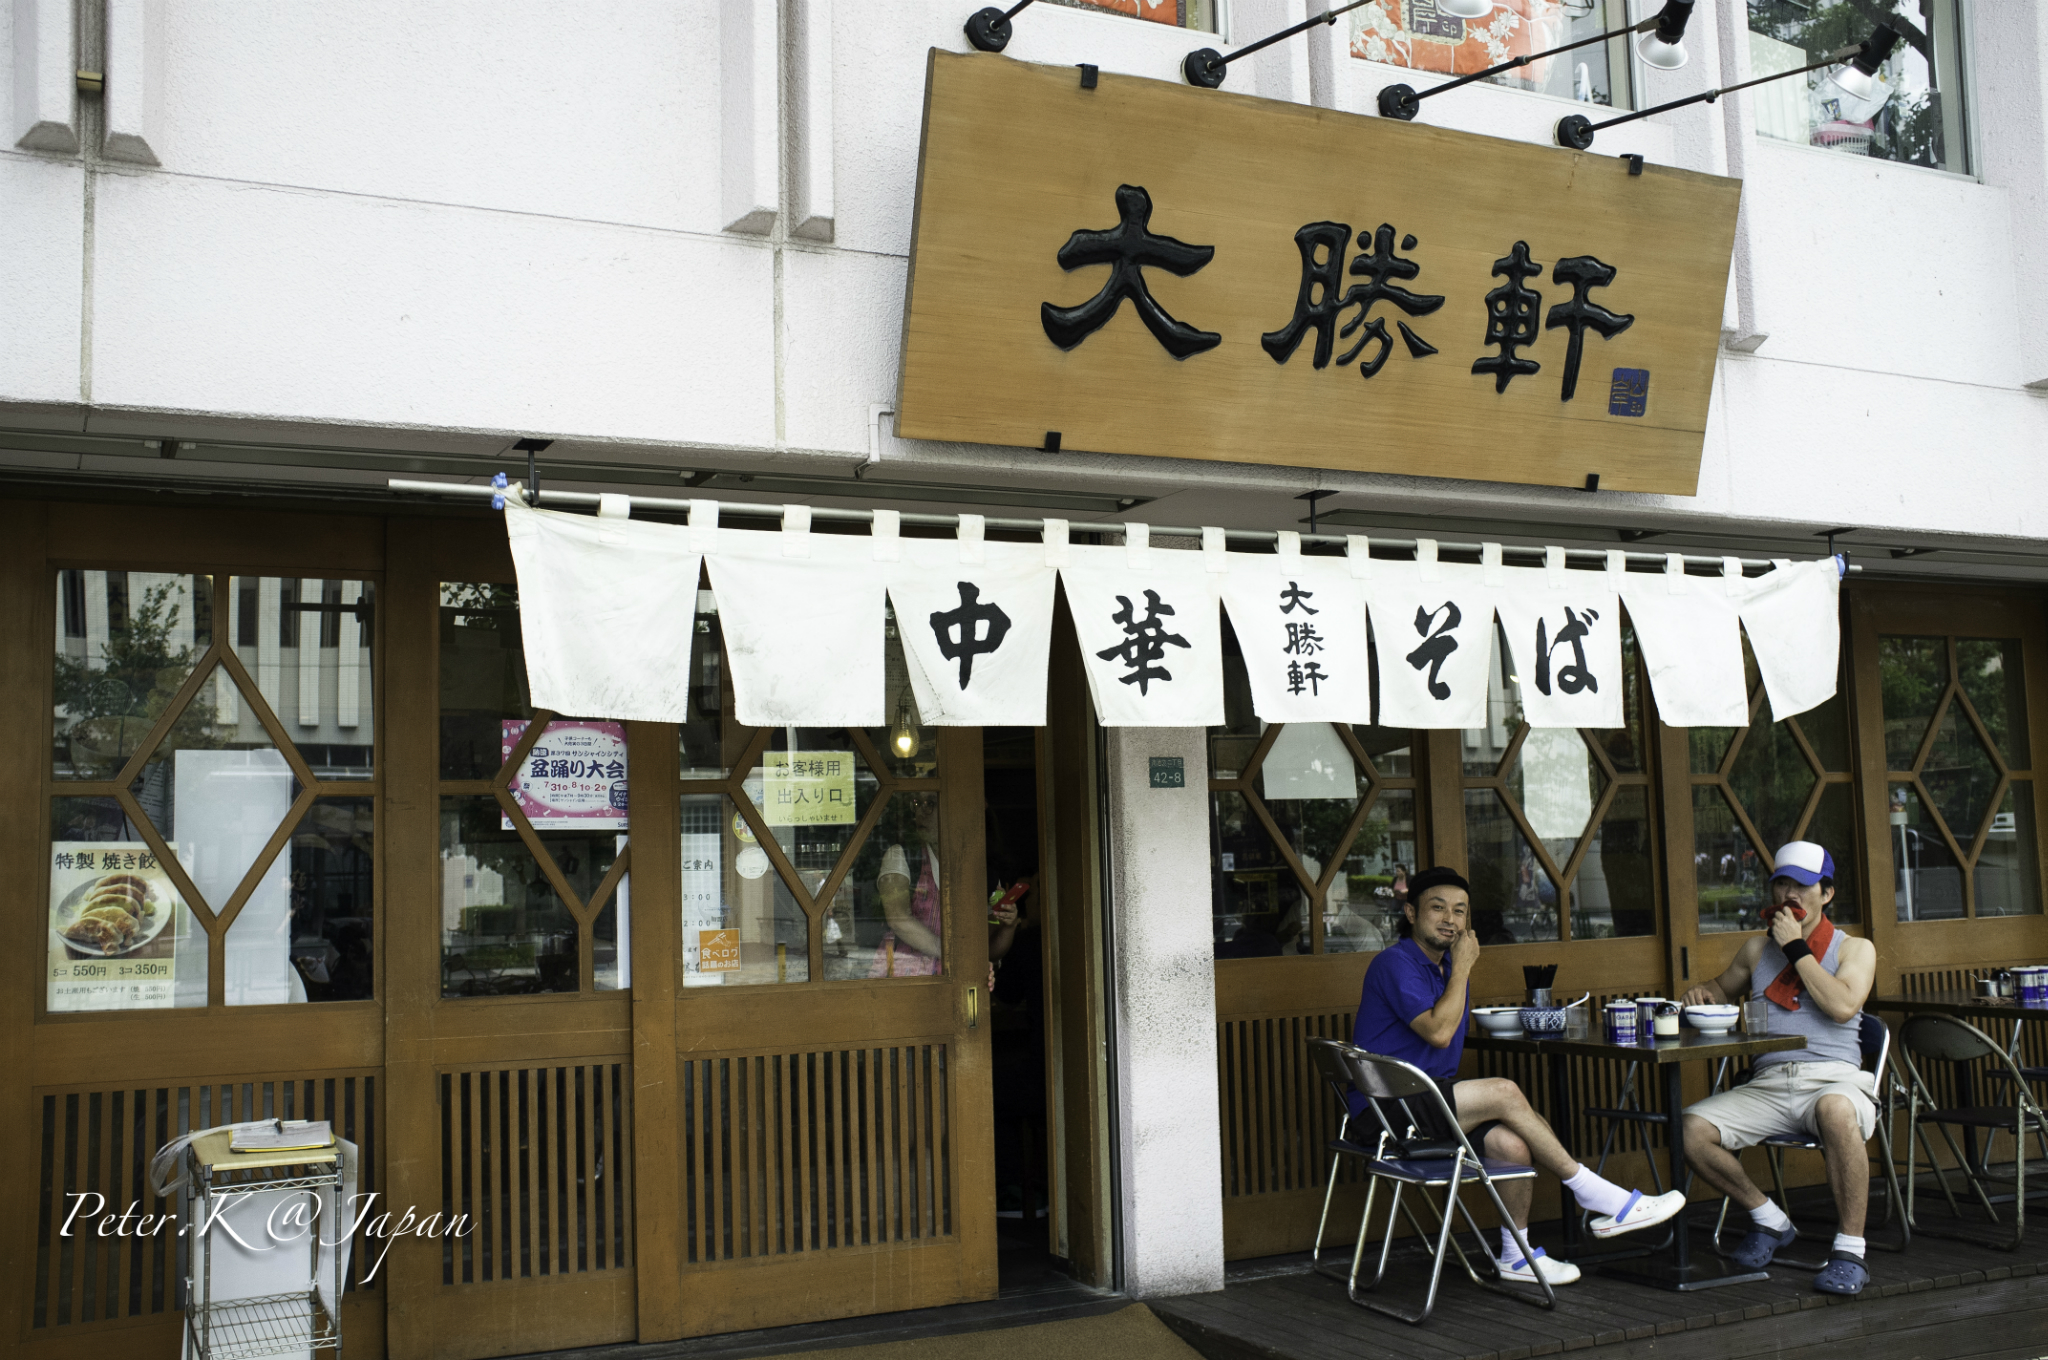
2007, 880
1513, 900
1363, 909
1419, 35
126, 641
1912, 111
741, 924
889, 910
1729, 875
1928, 880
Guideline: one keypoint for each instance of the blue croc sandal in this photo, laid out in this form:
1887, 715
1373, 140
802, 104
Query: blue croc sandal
1759, 1246
1844, 1274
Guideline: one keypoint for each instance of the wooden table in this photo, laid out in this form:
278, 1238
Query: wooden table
1668, 1056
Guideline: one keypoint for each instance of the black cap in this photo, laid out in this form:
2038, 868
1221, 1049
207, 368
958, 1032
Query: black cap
1440, 876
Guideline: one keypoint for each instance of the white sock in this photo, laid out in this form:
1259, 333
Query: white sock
1770, 1217
1851, 1245
1508, 1250
1595, 1192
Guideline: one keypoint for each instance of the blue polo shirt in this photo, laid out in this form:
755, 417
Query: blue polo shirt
1400, 984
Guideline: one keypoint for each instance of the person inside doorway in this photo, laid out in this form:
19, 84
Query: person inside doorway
908, 885
1815, 979
1414, 1007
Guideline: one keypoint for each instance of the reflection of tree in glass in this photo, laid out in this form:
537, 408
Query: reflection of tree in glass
1908, 127
110, 701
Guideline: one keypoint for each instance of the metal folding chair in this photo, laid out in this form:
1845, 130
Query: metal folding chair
1948, 1039
1328, 1057
1432, 1153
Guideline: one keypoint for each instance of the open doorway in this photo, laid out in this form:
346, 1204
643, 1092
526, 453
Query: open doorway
1018, 1003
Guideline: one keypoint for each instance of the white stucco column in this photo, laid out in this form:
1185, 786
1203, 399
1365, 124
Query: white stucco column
1165, 975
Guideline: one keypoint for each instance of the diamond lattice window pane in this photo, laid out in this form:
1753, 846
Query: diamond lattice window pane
1913, 673
1363, 910
1253, 885
1771, 779
218, 789
1557, 782
1994, 675
504, 931
1615, 890
1960, 775
2007, 880
1513, 900
127, 640
1389, 748
1729, 873
325, 924
306, 642
1707, 747
1826, 728
483, 673
741, 924
888, 906
1928, 880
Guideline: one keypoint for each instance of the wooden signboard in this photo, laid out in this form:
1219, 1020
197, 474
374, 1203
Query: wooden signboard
1148, 268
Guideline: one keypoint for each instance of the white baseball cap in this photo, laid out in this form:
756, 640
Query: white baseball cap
1803, 862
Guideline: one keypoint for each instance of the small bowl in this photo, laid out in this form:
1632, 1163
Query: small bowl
1713, 1019
1543, 1019
1503, 1020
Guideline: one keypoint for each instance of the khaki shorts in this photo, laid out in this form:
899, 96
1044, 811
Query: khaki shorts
1781, 1100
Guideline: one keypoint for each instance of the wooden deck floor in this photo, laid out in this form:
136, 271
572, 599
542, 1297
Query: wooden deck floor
1938, 1301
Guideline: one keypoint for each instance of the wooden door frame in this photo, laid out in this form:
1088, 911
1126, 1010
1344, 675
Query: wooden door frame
177, 1045
1960, 609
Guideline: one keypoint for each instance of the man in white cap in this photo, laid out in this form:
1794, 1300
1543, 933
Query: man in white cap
1816, 979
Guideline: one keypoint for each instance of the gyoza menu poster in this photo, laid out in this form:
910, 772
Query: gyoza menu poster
114, 923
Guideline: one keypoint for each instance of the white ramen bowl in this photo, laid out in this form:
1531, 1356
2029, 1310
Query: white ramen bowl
1499, 1019
1713, 1019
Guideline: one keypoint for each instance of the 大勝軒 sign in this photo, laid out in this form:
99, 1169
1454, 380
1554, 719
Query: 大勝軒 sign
1146, 268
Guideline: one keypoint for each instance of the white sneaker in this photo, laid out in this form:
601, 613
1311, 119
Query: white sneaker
1642, 1211
1555, 1271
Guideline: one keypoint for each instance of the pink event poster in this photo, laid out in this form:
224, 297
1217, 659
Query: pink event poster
574, 778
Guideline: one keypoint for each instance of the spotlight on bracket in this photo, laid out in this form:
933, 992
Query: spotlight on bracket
1576, 131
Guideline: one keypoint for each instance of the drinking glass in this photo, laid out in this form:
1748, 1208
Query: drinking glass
1578, 1023
1756, 1016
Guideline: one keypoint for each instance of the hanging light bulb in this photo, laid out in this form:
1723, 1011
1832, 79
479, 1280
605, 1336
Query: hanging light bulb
904, 737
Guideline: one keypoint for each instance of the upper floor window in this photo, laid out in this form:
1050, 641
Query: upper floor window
1196, 14
1913, 112
1416, 34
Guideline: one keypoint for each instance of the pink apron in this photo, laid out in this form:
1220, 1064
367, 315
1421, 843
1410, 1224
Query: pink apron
893, 958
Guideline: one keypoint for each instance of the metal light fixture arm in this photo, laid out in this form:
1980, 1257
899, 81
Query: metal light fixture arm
1576, 130
1404, 101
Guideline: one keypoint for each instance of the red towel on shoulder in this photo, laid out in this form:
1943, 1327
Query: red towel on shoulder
1784, 989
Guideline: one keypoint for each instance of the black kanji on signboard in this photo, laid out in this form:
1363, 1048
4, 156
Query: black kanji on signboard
1127, 248
1511, 317
1583, 273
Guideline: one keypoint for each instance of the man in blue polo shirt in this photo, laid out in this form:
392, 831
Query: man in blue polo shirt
1414, 1007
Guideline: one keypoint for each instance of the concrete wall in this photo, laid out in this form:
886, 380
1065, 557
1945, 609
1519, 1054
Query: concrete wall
1165, 976
461, 222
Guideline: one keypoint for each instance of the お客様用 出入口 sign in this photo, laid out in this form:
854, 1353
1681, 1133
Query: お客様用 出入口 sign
1147, 268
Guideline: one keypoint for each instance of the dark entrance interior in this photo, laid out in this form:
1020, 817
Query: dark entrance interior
1018, 1041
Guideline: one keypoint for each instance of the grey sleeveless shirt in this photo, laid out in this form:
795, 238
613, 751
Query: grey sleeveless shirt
1826, 1040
